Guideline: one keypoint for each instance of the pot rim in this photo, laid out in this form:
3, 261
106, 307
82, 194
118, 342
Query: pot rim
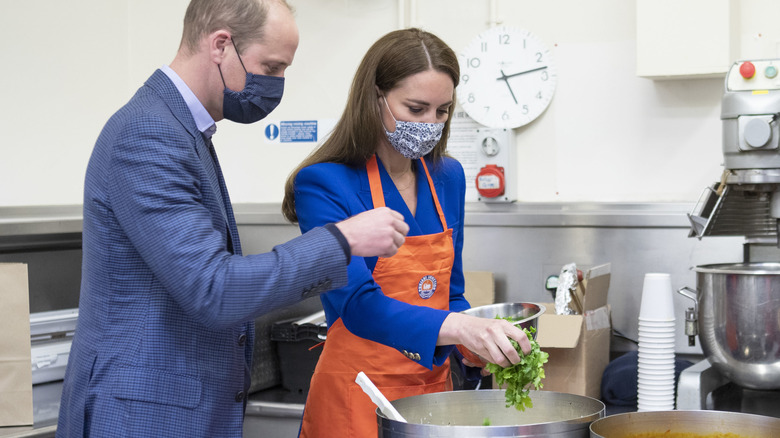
638, 422
592, 410
767, 268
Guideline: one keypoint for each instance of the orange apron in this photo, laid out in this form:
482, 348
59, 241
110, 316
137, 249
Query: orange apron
419, 274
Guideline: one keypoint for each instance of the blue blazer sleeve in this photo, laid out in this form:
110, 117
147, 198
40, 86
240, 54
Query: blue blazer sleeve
156, 193
330, 192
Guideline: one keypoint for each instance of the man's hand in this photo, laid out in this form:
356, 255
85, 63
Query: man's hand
378, 232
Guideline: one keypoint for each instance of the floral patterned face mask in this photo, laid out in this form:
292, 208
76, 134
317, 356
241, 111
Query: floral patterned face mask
413, 139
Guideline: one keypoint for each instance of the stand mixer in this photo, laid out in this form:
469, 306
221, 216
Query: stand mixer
746, 202
736, 311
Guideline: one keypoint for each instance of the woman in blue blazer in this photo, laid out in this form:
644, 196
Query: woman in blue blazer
398, 317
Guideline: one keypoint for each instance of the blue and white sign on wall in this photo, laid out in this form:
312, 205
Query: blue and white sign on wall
298, 131
271, 131
303, 132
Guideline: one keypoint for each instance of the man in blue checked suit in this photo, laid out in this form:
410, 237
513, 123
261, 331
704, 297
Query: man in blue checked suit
164, 340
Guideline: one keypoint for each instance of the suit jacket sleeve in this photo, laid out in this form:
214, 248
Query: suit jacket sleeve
326, 193
156, 195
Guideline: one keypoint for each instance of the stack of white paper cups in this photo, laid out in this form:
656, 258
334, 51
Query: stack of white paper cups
656, 345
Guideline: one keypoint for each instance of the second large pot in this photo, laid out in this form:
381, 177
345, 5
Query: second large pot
685, 423
739, 321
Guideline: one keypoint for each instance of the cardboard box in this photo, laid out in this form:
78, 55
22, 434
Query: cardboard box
479, 288
578, 345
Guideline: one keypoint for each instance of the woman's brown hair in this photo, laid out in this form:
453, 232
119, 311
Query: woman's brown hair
393, 58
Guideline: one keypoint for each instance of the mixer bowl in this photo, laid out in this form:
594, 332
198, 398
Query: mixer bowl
739, 321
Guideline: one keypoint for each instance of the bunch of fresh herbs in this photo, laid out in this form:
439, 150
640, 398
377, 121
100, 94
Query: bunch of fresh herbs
522, 375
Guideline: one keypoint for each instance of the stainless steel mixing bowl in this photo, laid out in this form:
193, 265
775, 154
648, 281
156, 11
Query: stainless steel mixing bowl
527, 313
739, 321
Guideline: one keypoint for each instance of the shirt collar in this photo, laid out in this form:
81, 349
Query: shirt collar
203, 119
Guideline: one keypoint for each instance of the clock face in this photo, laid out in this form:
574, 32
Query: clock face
507, 78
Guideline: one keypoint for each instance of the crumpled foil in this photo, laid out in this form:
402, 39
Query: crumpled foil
567, 282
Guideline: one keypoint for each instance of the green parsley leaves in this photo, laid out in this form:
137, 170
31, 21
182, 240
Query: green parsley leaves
526, 373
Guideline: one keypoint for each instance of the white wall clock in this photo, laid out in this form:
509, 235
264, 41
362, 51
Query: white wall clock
507, 77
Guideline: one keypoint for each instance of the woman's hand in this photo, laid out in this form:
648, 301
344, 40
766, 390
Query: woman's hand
472, 360
485, 337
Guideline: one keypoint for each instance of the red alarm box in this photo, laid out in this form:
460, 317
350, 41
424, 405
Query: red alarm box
490, 181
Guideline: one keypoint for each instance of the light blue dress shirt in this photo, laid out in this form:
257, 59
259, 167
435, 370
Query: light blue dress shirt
203, 119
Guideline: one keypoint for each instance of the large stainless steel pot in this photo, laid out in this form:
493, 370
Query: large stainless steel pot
700, 423
739, 321
463, 413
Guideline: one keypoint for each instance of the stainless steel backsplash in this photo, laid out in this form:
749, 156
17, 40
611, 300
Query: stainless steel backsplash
521, 243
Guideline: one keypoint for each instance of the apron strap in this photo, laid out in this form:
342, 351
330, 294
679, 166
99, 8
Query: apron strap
435, 197
378, 196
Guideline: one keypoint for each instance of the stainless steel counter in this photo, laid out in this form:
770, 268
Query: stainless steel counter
29, 220
274, 412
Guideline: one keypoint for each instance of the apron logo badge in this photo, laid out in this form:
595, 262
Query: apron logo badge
426, 287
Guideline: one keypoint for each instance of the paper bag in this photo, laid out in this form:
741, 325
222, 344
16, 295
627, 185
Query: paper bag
16, 405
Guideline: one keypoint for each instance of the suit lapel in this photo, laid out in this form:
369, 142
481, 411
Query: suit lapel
163, 86
208, 160
227, 208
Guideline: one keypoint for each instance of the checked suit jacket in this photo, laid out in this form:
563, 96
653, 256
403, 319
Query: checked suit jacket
163, 345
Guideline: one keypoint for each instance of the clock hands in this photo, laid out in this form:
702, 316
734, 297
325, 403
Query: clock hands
504, 77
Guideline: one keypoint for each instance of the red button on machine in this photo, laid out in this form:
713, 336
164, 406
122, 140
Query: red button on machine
747, 70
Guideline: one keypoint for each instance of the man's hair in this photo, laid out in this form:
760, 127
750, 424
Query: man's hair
244, 19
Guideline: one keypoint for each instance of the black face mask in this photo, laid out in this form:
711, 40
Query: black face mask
260, 96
